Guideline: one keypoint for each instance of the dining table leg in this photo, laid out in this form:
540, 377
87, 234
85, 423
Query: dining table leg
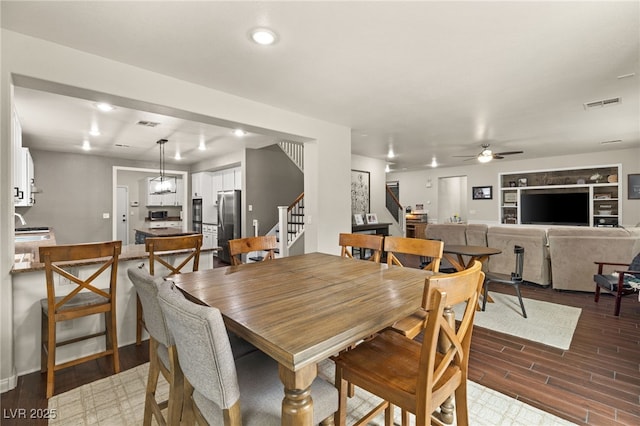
297, 405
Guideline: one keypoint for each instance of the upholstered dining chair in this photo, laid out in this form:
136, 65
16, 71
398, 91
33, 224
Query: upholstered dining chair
240, 246
620, 283
429, 249
188, 244
163, 356
515, 279
218, 389
82, 300
361, 242
418, 376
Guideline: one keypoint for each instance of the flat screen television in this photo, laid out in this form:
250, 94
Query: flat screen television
555, 209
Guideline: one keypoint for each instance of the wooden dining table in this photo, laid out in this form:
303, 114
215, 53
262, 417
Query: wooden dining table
303, 309
454, 254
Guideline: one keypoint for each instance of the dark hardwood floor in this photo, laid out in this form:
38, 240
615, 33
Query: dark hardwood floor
595, 382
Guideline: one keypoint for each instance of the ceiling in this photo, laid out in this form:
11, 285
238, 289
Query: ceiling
424, 79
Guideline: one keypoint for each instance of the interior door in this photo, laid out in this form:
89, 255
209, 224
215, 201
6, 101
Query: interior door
122, 218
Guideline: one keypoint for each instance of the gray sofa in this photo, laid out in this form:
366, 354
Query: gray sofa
575, 249
561, 256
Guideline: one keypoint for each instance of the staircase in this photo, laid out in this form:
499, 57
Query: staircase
394, 207
295, 151
290, 225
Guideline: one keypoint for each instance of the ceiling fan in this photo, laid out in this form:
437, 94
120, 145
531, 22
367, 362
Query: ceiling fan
487, 155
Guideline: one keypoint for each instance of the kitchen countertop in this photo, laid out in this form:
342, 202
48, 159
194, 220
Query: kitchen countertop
164, 232
30, 261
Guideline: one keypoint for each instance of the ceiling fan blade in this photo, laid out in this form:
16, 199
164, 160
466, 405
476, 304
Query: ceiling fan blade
497, 157
510, 153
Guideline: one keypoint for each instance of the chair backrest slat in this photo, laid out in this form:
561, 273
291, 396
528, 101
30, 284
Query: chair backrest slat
155, 245
361, 241
431, 249
239, 246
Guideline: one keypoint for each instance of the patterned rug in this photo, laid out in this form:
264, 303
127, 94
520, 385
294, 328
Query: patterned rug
547, 323
119, 400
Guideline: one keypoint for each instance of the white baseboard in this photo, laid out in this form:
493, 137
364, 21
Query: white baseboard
9, 383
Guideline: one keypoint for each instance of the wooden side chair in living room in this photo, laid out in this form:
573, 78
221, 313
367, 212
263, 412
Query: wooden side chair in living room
264, 243
188, 244
515, 279
431, 250
624, 281
83, 300
361, 242
220, 388
418, 376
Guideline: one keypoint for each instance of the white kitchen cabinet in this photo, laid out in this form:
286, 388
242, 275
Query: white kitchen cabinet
198, 183
237, 178
165, 224
22, 167
228, 180
216, 184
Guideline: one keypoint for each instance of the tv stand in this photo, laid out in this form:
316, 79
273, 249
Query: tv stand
601, 182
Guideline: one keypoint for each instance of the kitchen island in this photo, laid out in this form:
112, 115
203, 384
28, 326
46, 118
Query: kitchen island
28, 282
142, 234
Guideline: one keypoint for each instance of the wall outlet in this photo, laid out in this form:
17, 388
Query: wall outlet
255, 222
62, 281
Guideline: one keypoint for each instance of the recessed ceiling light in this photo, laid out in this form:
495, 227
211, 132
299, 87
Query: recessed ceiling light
239, 132
86, 145
202, 146
263, 36
94, 132
178, 156
103, 106
434, 163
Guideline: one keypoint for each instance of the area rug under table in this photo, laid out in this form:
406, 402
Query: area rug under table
118, 400
547, 323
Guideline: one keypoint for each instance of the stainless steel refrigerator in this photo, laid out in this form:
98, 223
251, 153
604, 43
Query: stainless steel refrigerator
228, 221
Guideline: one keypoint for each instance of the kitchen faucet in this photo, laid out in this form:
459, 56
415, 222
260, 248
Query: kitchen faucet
22, 221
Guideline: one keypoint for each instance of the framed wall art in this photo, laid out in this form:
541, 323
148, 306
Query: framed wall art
482, 192
372, 218
360, 181
633, 188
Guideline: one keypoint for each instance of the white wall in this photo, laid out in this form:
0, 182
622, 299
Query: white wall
326, 188
413, 184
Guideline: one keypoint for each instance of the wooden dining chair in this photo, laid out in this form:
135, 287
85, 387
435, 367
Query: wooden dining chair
221, 389
264, 243
83, 299
431, 250
418, 376
157, 246
361, 242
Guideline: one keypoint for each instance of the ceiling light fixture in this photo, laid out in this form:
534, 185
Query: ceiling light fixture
94, 131
263, 36
178, 156
86, 145
105, 107
485, 156
202, 146
434, 163
387, 169
239, 132
162, 184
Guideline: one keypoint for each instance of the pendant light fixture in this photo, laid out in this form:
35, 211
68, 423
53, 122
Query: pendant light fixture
162, 185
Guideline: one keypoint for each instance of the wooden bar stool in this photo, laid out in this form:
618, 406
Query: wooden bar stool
78, 303
190, 244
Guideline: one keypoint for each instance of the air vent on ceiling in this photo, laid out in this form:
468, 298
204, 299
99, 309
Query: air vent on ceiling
612, 141
602, 103
148, 123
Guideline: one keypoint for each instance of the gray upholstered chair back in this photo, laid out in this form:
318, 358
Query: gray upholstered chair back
203, 346
146, 286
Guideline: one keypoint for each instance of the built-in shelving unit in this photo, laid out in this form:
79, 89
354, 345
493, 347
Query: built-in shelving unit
601, 183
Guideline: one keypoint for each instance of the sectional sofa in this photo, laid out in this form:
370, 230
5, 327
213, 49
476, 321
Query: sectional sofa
561, 256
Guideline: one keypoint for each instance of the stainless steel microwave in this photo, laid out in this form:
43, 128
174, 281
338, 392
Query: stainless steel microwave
158, 214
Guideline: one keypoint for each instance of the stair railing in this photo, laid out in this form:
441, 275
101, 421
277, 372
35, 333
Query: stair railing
290, 224
295, 151
394, 207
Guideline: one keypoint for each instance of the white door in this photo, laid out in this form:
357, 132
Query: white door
452, 199
122, 218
